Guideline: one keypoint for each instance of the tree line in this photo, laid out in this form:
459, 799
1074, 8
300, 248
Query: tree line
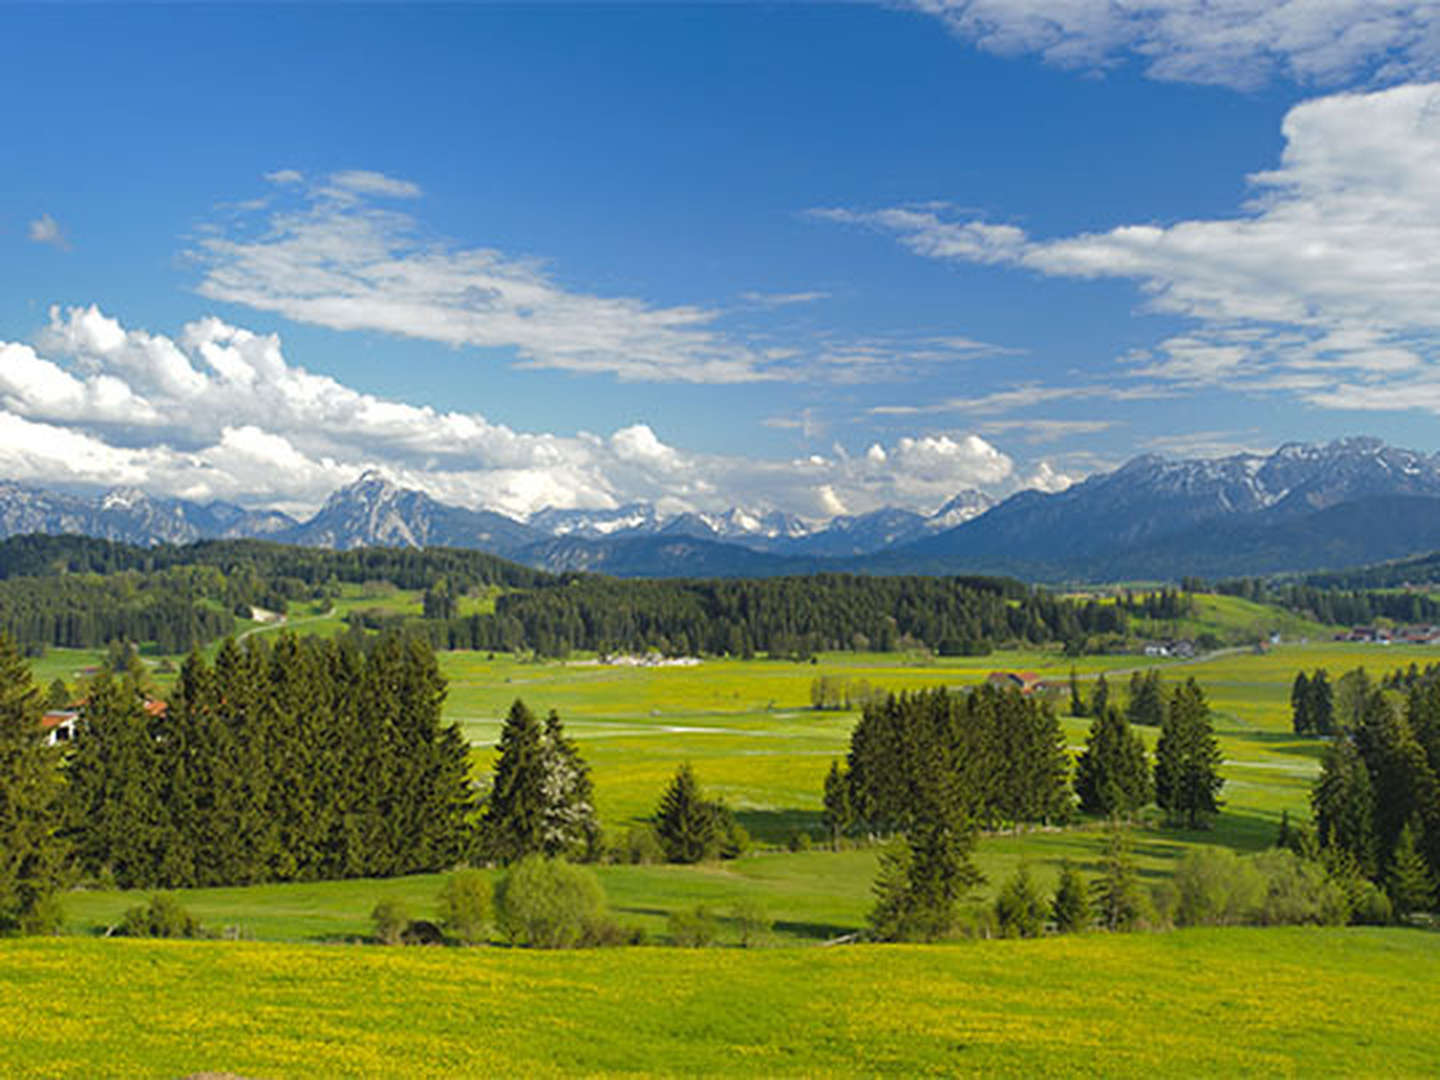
1334, 604
1376, 803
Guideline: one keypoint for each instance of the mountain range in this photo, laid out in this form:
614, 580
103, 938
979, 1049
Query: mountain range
1303, 507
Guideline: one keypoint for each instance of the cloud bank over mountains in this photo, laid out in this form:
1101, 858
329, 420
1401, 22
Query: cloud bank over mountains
221, 412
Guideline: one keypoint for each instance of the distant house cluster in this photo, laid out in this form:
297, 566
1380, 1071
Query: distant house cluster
1401, 635
1182, 649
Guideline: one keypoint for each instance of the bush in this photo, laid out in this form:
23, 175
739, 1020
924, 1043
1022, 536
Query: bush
693, 929
642, 846
1020, 907
389, 918
162, 917
45, 916
464, 907
799, 841
1214, 887
1298, 891
753, 923
1369, 906
549, 904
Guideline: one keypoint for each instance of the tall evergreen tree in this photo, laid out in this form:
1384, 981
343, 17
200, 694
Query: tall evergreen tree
1112, 776
1300, 719
514, 824
1321, 707
114, 807
1344, 805
686, 824
1077, 703
1101, 696
1187, 759
1408, 881
1147, 700
1119, 902
32, 854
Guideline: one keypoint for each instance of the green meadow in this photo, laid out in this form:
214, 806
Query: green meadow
749, 730
1280, 1002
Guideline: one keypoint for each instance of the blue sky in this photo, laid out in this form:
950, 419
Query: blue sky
820, 258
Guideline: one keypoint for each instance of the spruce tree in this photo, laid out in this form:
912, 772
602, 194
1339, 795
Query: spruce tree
1077, 703
838, 815
1321, 707
686, 824
1119, 902
1020, 907
1187, 760
1300, 719
32, 854
1343, 801
1112, 776
1071, 907
1147, 700
1408, 882
514, 824
1101, 697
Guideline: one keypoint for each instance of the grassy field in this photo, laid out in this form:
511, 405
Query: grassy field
748, 730
1288, 1002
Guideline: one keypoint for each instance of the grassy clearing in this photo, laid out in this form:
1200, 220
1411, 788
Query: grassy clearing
1252, 1002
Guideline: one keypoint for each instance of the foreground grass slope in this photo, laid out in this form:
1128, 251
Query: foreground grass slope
1255, 1002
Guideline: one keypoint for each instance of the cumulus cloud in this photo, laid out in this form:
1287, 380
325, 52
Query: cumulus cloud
46, 230
1237, 43
219, 411
1326, 284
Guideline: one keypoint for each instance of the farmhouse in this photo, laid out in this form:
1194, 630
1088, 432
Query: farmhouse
1027, 682
59, 726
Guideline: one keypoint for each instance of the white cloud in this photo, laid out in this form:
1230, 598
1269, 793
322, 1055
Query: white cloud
221, 412
285, 176
1329, 277
46, 230
337, 261
1045, 478
365, 182
1239, 43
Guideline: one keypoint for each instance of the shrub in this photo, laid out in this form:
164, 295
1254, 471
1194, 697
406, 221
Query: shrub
1214, 887
753, 923
1071, 907
162, 917
642, 845
464, 907
1369, 906
1020, 906
389, 918
45, 916
1298, 891
799, 841
549, 904
693, 929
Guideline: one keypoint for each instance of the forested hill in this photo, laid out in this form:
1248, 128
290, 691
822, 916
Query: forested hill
39, 555
77, 592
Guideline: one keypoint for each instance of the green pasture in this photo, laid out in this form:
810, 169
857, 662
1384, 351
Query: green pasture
1279, 1002
749, 730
